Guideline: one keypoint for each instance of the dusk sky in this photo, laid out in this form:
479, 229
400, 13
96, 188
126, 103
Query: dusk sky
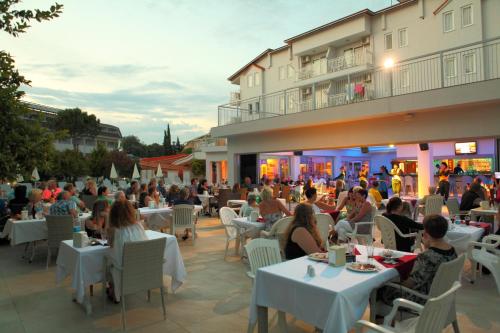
142, 64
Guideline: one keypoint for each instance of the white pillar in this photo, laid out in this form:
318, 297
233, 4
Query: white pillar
208, 171
232, 168
294, 167
218, 172
425, 170
337, 163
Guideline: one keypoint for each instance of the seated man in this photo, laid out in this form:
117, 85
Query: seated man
437, 251
250, 206
51, 193
72, 190
64, 205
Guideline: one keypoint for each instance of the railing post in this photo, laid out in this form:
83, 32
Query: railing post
441, 65
313, 107
349, 89
285, 100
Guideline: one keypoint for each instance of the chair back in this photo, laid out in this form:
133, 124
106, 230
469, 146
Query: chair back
387, 231
61, 184
79, 185
342, 196
122, 184
59, 228
276, 191
434, 316
28, 186
285, 193
224, 196
243, 194
323, 222
453, 206
278, 230
262, 252
183, 215
433, 204
446, 275
89, 200
227, 215
142, 267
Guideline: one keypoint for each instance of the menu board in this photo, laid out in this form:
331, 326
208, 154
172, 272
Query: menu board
465, 148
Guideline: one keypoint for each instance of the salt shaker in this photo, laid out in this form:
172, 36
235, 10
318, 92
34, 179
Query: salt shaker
310, 271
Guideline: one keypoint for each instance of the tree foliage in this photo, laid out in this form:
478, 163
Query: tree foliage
23, 144
198, 167
70, 164
78, 124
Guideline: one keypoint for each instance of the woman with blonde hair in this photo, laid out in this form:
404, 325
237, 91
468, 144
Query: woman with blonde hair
270, 208
36, 203
303, 237
90, 188
96, 225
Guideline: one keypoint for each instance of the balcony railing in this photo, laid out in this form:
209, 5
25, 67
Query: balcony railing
459, 66
210, 142
325, 66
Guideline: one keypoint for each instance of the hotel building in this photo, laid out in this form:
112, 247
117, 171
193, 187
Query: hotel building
368, 89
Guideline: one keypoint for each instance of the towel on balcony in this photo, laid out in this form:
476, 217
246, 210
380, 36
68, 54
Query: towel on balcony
359, 89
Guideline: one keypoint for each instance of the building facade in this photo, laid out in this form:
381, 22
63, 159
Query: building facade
420, 71
109, 136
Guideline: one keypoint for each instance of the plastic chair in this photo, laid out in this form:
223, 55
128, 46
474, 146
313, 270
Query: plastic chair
324, 222
59, 228
485, 253
447, 274
408, 184
79, 185
454, 207
89, 200
342, 196
183, 218
278, 231
227, 215
262, 253
432, 317
433, 204
362, 234
388, 232
61, 184
141, 270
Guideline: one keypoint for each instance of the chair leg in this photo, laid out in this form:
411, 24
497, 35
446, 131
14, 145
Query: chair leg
91, 290
33, 253
194, 235
149, 295
48, 257
124, 325
473, 267
455, 326
282, 321
162, 294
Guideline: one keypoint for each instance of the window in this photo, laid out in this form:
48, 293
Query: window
450, 67
448, 21
257, 79
250, 80
469, 63
403, 37
257, 106
467, 16
250, 107
405, 78
282, 72
282, 104
290, 71
388, 41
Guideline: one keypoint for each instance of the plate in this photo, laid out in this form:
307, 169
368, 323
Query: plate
318, 256
362, 267
390, 255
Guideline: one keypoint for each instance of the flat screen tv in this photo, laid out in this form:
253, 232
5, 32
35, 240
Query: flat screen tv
462, 148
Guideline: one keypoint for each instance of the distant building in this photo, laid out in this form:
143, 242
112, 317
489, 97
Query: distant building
109, 135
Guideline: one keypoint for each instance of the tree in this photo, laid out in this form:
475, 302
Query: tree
167, 142
178, 147
98, 161
78, 124
198, 167
154, 150
132, 145
124, 164
70, 164
23, 144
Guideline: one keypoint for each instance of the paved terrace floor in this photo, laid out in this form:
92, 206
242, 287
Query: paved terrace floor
215, 297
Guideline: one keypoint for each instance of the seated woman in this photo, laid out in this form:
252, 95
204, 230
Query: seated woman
312, 199
153, 196
96, 225
35, 205
437, 251
123, 228
90, 188
143, 194
173, 194
362, 213
102, 194
17, 204
348, 202
250, 206
404, 224
303, 237
271, 209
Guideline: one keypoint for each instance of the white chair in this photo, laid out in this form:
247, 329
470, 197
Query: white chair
262, 253
61, 184
122, 185
408, 184
388, 231
183, 218
485, 254
433, 204
432, 317
324, 222
447, 274
157, 222
141, 270
278, 231
79, 185
362, 234
227, 215
454, 207
106, 182
59, 228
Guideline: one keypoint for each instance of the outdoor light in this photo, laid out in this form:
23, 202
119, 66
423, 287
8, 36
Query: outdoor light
391, 146
389, 63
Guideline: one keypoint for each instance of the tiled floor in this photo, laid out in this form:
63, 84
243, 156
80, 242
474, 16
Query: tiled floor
215, 297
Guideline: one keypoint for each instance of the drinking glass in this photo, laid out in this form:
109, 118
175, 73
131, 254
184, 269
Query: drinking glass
369, 252
467, 219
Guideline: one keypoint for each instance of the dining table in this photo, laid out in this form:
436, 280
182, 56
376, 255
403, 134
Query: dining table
477, 213
160, 218
332, 299
86, 266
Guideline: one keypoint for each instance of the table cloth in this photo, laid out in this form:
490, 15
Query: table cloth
476, 213
333, 300
459, 236
85, 265
25, 231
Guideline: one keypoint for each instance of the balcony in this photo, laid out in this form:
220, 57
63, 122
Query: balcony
210, 145
339, 66
448, 68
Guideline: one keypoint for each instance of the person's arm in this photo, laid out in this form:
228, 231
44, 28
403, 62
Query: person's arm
342, 204
305, 240
412, 224
283, 208
362, 212
324, 206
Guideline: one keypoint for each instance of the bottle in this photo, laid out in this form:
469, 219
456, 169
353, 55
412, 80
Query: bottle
76, 225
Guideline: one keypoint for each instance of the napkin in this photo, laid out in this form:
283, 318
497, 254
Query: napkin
404, 264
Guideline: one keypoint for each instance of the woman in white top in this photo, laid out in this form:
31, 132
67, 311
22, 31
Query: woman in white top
123, 228
363, 213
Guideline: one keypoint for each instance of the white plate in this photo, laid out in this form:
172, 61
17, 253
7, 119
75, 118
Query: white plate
395, 255
361, 267
318, 257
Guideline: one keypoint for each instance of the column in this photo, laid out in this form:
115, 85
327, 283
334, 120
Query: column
294, 167
425, 170
232, 168
208, 171
337, 163
218, 172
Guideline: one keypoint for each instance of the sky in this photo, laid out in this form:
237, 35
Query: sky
140, 64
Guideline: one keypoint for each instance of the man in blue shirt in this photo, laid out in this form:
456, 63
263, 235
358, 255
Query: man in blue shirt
64, 206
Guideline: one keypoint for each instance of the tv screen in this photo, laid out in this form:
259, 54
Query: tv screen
465, 148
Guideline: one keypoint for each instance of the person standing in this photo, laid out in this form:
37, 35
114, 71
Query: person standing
444, 184
363, 174
342, 174
383, 181
396, 179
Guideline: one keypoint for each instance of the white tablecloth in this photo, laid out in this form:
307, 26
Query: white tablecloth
25, 231
245, 223
333, 300
460, 235
85, 265
163, 211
